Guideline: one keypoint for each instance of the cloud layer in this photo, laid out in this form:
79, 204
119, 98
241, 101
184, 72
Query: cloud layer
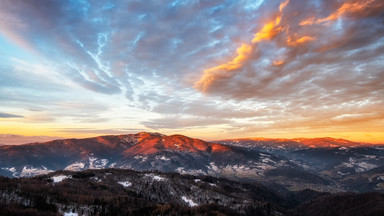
246, 67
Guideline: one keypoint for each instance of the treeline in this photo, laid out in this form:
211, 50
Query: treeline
41, 196
85, 194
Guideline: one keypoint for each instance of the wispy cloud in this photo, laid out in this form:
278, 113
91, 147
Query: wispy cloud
8, 115
178, 122
99, 131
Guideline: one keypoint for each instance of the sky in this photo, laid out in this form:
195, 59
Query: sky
209, 69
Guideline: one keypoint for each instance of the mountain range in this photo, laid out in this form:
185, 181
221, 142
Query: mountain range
322, 164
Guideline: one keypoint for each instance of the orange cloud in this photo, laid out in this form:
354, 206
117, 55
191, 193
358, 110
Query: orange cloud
348, 7
244, 53
278, 62
309, 21
283, 5
267, 32
271, 29
299, 41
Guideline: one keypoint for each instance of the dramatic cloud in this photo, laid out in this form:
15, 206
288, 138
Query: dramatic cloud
296, 46
244, 53
243, 67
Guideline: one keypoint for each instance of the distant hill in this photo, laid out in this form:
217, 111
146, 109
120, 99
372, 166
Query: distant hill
325, 142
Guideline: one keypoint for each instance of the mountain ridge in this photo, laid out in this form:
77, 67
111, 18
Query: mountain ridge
330, 169
317, 142
142, 135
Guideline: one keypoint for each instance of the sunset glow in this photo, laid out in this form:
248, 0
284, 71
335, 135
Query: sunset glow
205, 69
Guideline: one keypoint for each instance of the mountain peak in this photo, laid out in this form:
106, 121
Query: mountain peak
151, 143
146, 135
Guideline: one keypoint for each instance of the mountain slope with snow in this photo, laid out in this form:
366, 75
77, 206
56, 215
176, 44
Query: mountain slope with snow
290, 163
142, 151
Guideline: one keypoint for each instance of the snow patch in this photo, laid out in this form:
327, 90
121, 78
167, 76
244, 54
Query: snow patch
162, 158
59, 178
300, 163
364, 166
361, 166
104, 162
143, 158
267, 160
70, 214
12, 170
78, 166
96, 179
92, 159
125, 183
197, 180
342, 174
350, 164
29, 171
214, 167
91, 162
155, 177
94, 163
182, 170
189, 201
370, 156
158, 178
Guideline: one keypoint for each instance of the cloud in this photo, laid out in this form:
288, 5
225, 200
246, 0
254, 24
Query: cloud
244, 53
248, 65
8, 115
98, 131
294, 41
178, 122
353, 9
104, 47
